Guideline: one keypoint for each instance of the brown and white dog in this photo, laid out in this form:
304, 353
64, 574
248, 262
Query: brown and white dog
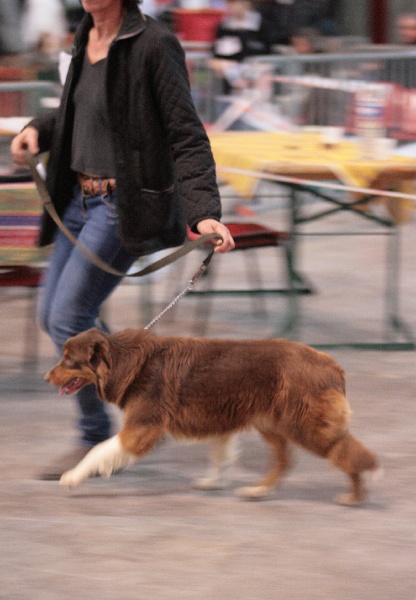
212, 388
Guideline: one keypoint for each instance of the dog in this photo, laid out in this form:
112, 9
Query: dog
211, 389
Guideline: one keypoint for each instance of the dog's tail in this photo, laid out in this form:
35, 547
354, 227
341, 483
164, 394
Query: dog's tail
352, 456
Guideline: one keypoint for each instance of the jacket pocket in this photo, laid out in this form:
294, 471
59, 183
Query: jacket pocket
154, 211
155, 214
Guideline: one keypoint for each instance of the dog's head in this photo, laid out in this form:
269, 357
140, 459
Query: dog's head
86, 359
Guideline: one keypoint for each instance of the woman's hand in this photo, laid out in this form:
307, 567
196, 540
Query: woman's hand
28, 139
212, 226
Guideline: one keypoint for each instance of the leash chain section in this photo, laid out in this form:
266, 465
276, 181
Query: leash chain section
183, 293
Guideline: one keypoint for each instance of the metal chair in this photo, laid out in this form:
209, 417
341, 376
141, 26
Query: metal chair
251, 237
30, 278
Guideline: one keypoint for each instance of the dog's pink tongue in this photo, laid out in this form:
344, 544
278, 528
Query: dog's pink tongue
70, 387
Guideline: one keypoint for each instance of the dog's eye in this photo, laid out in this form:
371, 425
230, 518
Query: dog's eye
68, 362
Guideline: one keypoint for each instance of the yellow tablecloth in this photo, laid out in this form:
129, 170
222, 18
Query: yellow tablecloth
304, 155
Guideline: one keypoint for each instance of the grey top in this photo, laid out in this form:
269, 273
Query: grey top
92, 148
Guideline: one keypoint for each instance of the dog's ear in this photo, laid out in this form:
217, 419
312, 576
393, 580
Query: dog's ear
100, 353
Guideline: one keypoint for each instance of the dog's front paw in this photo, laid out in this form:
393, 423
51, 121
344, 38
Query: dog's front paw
253, 492
70, 479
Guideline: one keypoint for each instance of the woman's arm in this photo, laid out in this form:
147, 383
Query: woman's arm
35, 137
187, 139
28, 139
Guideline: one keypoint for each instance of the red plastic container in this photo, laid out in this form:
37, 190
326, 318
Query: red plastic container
197, 24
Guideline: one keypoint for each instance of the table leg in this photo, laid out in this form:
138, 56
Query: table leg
294, 277
393, 322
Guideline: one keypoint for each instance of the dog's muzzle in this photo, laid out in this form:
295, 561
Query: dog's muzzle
95, 186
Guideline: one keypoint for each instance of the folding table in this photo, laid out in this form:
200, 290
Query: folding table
245, 159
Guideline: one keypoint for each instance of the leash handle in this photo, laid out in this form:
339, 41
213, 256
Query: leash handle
96, 260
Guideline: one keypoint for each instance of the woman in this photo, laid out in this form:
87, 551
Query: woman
129, 165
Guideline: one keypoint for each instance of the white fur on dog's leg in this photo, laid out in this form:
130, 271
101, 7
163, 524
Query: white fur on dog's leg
104, 459
224, 453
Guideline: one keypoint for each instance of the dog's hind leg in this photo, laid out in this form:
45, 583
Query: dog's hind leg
281, 462
102, 459
224, 453
357, 493
352, 457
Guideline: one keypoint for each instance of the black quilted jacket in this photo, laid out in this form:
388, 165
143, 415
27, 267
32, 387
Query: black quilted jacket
164, 165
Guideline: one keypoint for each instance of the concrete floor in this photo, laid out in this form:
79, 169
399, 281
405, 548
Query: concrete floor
146, 534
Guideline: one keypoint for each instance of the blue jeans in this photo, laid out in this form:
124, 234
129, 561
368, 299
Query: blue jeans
75, 289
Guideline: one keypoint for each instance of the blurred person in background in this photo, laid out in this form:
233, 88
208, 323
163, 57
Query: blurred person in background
306, 40
406, 28
44, 25
11, 38
284, 17
316, 14
240, 35
277, 16
129, 166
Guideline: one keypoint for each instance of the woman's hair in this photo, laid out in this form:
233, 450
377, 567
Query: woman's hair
130, 3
